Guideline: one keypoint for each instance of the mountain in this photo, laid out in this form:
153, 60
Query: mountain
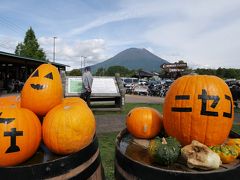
133, 58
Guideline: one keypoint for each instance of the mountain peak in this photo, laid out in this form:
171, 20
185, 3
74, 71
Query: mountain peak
136, 50
133, 58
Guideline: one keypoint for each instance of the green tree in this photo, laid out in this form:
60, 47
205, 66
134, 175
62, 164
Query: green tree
220, 72
74, 72
100, 72
206, 71
230, 73
123, 71
30, 47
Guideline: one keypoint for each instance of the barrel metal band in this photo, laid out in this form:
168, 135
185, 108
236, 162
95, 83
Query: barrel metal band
52, 168
142, 171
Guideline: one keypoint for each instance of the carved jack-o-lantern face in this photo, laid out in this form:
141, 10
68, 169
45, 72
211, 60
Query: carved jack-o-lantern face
42, 90
20, 135
41, 86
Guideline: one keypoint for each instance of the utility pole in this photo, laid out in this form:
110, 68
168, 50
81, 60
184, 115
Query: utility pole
84, 61
54, 48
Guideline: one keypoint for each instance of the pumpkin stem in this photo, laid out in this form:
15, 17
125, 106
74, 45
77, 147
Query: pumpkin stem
164, 141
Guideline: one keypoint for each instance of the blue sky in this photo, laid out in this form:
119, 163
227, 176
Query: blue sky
203, 33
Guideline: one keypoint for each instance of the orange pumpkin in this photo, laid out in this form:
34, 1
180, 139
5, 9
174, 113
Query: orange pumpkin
198, 107
67, 100
144, 122
42, 90
9, 101
68, 128
20, 135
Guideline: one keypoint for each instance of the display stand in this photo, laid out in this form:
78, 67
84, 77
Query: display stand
106, 93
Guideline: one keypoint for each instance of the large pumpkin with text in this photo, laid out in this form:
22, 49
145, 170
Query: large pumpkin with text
20, 135
42, 90
68, 127
198, 107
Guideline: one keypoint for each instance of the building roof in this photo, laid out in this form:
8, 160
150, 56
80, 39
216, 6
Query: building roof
29, 59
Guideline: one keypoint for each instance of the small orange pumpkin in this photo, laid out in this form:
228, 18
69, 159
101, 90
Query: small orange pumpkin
68, 128
198, 107
144, 122
42, 90
8, 101
20, 135
234, 142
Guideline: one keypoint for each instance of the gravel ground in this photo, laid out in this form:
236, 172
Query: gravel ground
110, 123
143, 99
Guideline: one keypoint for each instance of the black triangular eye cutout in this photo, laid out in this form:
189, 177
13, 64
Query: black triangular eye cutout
49, 76
35, 74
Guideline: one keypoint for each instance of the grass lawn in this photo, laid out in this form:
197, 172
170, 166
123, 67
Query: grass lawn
107, 149
107, 140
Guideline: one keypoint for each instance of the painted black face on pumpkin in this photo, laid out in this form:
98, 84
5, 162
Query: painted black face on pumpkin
41, 86
5, 120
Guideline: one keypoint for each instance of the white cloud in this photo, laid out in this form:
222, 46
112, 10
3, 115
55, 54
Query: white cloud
206, 35
150, 49
69, 53
108, 18
203, 33
128, 10
8, 43
72, 53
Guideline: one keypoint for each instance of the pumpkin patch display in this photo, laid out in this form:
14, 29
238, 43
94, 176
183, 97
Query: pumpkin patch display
42, 90
20, 135
198, 107
144, 122
67, 128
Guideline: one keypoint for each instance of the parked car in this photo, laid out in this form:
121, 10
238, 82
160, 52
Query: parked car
127, 82
143, 82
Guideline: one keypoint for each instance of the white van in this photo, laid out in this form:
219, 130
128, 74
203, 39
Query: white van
127, 82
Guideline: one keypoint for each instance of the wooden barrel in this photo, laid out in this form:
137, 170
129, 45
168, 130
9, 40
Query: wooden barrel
129, 168
85, 164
